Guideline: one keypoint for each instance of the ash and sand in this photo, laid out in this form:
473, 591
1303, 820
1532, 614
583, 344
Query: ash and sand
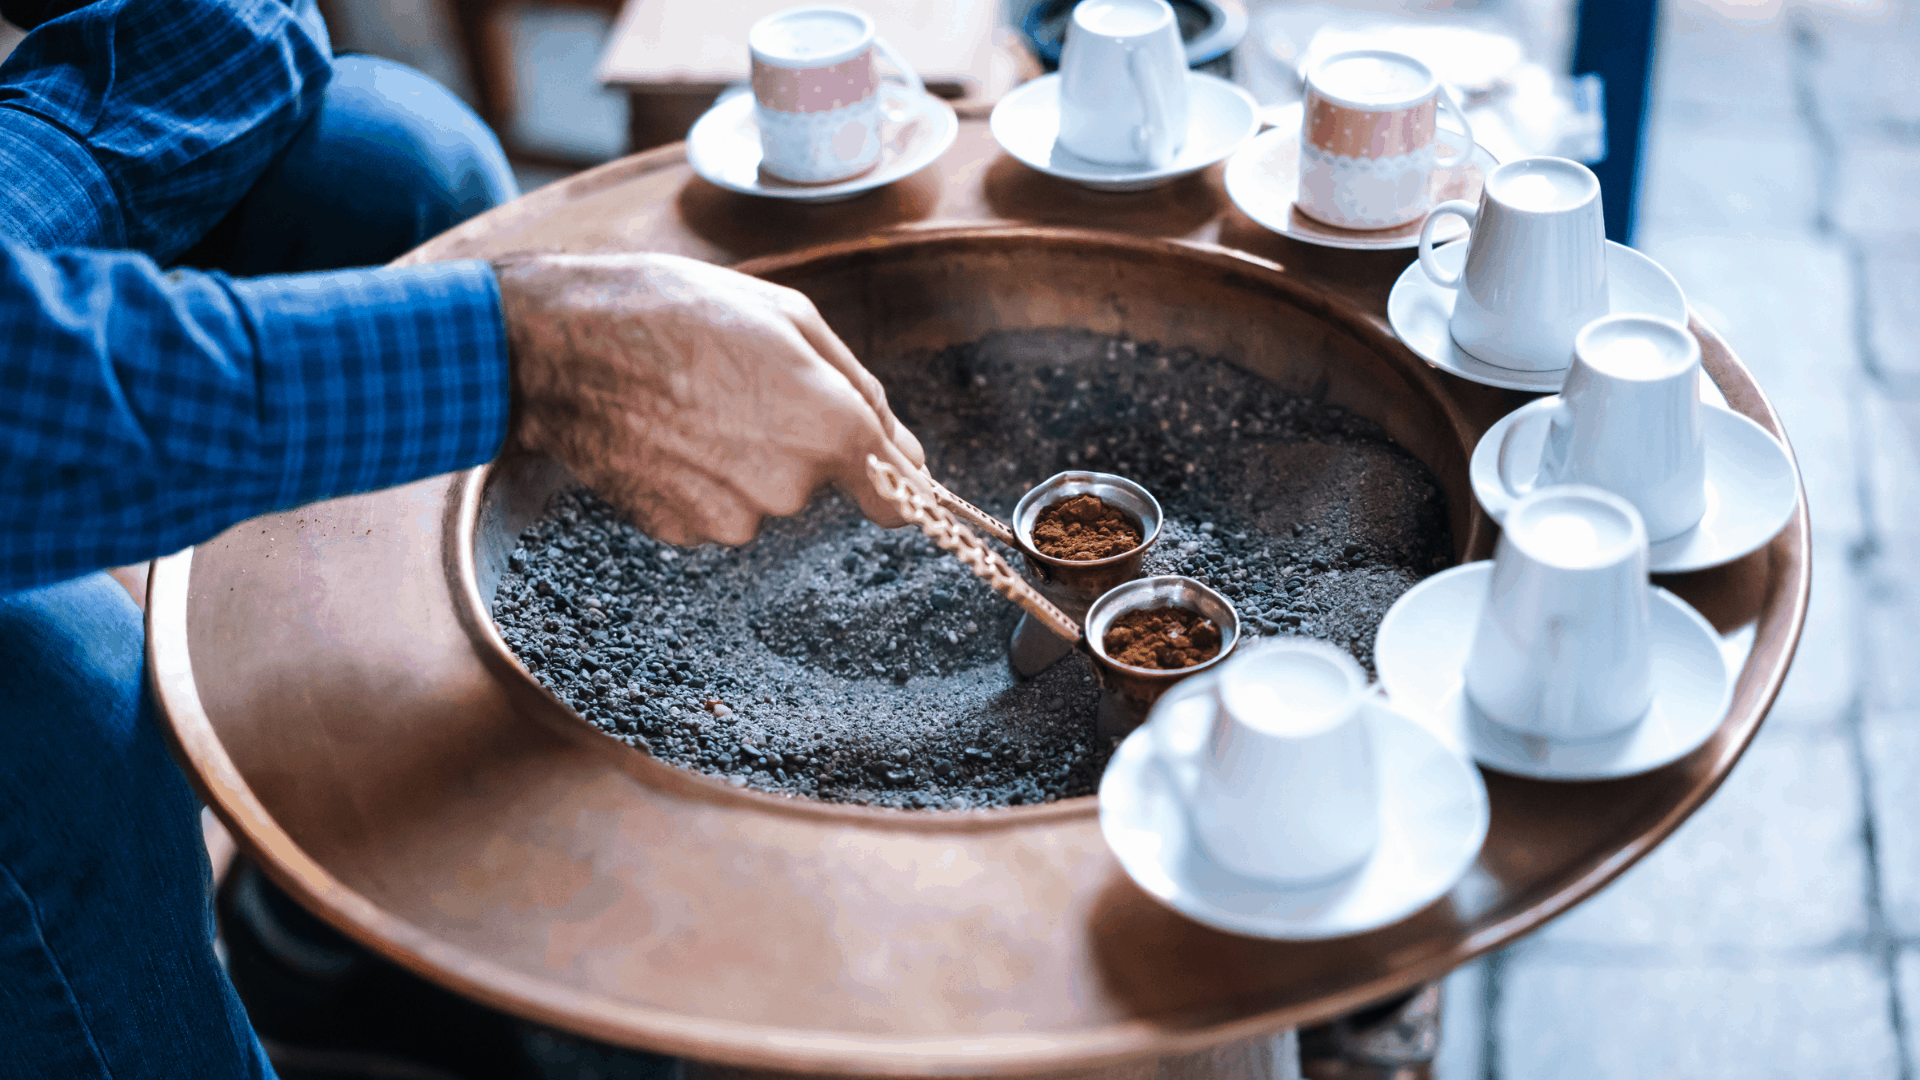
833, 659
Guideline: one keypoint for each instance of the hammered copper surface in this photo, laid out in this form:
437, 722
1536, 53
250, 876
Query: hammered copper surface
389, 766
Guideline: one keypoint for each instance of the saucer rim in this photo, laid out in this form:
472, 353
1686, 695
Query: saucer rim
1017, 103
1186, 901
1442, 717
1266, 221
1482, 477
1414, 282
879, 176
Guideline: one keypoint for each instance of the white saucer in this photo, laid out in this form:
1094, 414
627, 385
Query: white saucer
724, 148
1751, 490
1423, 645
1433, 821
1419, 310
1026, 124
1264, 179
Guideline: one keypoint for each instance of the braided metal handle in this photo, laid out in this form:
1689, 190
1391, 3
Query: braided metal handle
974, 554
993, 526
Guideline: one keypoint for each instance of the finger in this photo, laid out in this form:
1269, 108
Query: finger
828, 345
854, 480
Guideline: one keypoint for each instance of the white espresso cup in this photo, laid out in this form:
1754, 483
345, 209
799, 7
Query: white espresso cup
817, 92
1123, 83
1562, 649
1536, 263
1628, 420
1367, 139
1287, 791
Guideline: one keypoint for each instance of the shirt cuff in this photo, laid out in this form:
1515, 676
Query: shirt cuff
56, 194
372, 378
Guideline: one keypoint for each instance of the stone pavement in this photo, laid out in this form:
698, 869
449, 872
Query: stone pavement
1777, 933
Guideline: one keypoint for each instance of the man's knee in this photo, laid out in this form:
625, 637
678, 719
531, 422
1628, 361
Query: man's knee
405, 133
390, 160
73, 660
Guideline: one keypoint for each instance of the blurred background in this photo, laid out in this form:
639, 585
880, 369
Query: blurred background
1777, 934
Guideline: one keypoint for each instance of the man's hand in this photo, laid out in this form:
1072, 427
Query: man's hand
695, 399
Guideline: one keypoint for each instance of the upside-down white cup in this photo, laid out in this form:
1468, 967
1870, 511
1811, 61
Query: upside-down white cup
1367, 139
1287, 791
1628, 420
1123, 83
817, 92
1536, 263
1562, 649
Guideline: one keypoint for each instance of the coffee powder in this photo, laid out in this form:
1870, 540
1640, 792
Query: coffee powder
1163, 638
837, 660
1083, 528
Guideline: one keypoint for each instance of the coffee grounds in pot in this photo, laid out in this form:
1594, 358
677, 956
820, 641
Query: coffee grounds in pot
1083, 528
840, 661
1164, 638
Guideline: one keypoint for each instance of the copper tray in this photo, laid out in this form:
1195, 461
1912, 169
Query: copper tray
343, 704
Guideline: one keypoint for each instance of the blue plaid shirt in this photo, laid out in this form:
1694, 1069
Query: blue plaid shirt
143, 411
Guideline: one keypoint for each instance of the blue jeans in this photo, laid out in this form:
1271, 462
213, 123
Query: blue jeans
107, 966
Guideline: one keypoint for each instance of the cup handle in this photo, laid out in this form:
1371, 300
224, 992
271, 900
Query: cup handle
1154, 139
1459, 115
908, 78
1458, 207
1558, 415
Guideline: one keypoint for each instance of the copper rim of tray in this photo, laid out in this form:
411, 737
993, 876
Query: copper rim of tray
1523, 904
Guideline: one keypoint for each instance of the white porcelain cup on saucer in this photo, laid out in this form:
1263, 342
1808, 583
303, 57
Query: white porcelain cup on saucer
1562, 649
1123, 83
1536, 269
1287, 791
817, 92
1367, 139
1628, 420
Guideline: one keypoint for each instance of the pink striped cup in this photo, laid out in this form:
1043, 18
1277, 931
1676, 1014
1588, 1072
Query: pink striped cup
817, 92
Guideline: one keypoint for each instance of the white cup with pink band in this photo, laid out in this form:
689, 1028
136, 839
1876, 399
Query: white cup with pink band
817, 92
1367, 136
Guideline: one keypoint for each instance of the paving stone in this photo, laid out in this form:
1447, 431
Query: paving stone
1862, 66
1825, 678
1893, 292
1738, 69
1785, 305
1891, 602
1818, 1019
1907, 978
1463, 1026
1876, 186
1702, 178
1892, 433
1773, 861
1893, 767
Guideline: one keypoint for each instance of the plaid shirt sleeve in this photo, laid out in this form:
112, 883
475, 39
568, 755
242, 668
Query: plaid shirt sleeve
141, 412
139, 124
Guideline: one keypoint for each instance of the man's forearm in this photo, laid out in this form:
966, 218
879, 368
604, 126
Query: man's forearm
140, 413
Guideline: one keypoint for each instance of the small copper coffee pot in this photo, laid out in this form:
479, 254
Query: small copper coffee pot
1127, 693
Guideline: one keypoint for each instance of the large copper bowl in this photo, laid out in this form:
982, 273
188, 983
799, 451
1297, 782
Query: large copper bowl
337, 692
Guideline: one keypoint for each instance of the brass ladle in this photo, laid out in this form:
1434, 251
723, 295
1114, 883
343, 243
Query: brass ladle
1071, 584
1127, 692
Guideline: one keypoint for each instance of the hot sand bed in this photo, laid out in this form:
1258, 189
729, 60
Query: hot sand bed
833, 659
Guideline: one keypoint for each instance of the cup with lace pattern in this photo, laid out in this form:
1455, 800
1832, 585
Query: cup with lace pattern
1563, 648
1367, 139
1123, 84
817, 93
1627, 420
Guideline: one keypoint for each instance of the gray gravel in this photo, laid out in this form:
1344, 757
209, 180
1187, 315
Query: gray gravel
834, 659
